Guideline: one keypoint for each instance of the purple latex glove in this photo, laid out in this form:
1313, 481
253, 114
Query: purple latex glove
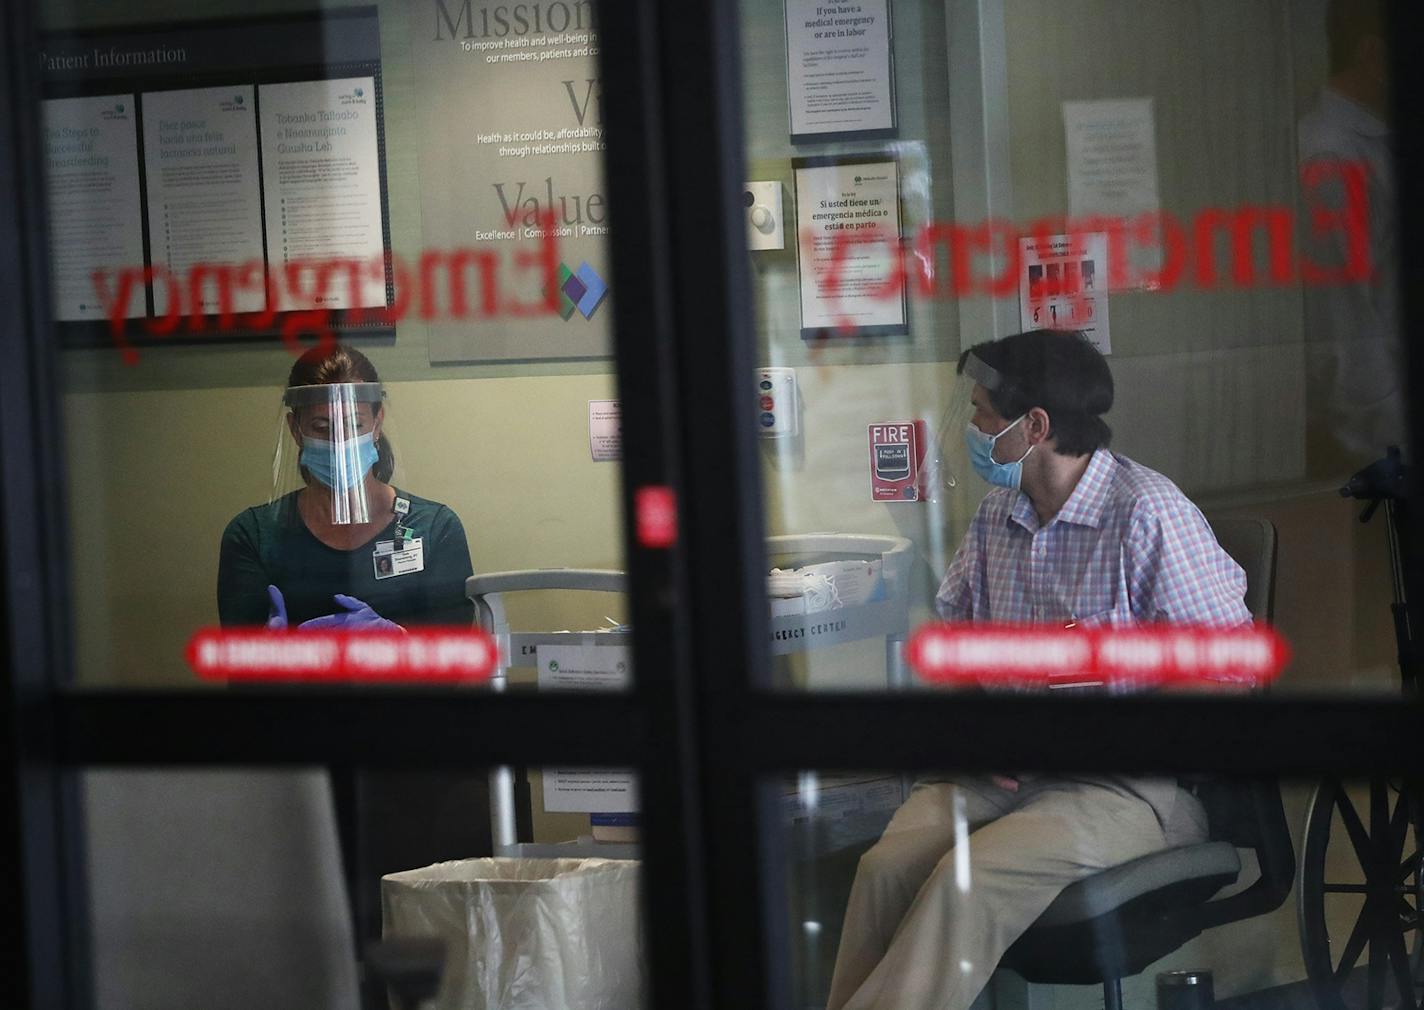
277, 615
359, 617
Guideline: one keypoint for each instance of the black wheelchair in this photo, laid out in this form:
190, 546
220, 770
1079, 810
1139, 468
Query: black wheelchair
1360, 855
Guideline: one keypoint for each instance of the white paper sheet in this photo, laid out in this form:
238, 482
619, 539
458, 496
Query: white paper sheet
605, 430
848, 227
321, 176
204, 200
95, 216
838, 66
1112, 157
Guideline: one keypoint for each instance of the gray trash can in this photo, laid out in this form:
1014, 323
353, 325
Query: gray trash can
526, 934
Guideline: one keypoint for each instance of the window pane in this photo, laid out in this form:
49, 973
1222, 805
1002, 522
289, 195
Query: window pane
238, 888
959, 890
231, 186
1205, 192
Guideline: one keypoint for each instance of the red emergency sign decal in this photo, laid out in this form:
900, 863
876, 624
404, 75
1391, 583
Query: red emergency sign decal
656, 514
420, 655
1151, 656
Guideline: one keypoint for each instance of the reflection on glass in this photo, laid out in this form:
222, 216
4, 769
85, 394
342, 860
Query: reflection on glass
304, 890
1105, 880
1218, 219
1356, 367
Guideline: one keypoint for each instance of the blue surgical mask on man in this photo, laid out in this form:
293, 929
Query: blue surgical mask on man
340, 465
981, 457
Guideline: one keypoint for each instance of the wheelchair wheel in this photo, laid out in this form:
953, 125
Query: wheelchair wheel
1358, 897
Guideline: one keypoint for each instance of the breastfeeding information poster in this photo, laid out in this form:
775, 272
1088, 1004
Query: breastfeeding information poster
322, 178
510, 151
839, 68
204, 189
852, 278
1063, 285
587, 668
95, 214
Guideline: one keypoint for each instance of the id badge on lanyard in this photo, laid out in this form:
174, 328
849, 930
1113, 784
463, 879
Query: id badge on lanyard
404, 555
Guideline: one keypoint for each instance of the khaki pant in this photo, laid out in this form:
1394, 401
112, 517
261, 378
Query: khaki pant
965, 867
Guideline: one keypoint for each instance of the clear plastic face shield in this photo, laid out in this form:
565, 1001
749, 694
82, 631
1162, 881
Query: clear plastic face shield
333, 448
948, 458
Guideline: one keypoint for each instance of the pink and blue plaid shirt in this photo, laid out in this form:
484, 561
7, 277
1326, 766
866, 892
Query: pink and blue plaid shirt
1126, 548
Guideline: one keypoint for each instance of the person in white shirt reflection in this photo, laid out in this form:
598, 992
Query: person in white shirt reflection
1353, 347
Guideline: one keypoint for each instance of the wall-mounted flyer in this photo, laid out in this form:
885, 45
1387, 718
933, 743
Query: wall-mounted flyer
204, 187
1112, 168
1112, 157
840, 69
1063, 285
322, 170
96, 220
849, 259
605, 431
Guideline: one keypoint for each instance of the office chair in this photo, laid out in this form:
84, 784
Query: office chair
1113, 924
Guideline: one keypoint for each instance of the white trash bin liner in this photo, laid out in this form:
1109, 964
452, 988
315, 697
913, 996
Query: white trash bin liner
526, 934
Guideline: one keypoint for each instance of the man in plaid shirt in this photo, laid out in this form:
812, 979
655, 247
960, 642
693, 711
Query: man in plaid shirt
1072, 535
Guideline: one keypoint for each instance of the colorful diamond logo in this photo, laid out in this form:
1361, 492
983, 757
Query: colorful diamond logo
594, 290
582, 289
574, 288
566, 304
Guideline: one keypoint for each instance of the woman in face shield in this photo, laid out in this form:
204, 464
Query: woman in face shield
346, 550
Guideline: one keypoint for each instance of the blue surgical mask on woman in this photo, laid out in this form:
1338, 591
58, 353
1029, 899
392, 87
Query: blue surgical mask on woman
340, 465
981, 457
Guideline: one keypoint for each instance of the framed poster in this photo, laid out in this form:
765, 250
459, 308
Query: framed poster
218, 180
850, 260
840, 70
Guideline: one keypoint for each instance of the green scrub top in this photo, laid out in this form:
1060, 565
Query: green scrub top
271, 545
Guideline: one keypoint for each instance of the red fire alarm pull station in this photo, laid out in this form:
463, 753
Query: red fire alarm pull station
897, 459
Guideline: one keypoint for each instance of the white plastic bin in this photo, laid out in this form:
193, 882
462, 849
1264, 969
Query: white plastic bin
526, 934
